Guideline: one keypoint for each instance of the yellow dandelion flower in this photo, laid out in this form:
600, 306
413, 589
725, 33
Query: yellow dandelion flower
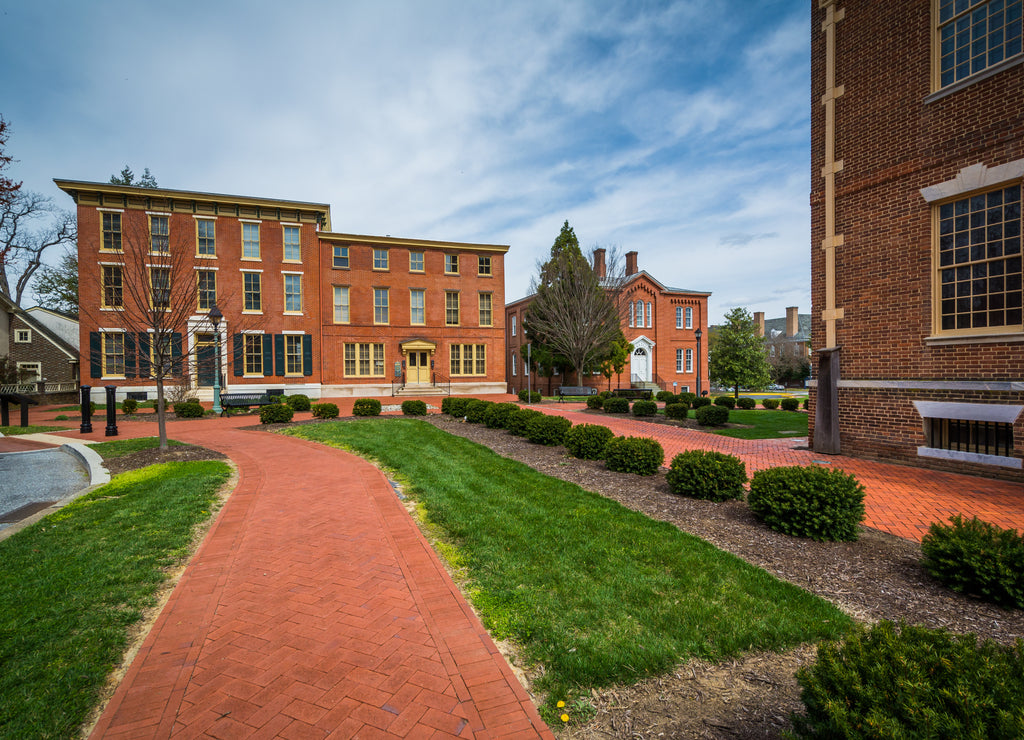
565, 717
560, 704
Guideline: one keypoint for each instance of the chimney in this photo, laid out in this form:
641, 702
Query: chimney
599, 265
792, 321
759, 320
631, 263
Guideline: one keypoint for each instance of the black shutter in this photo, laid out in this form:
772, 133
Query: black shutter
95, 355
268, 354
307, 354
129, 355
239, 349
279, 354
144, 344
176, 353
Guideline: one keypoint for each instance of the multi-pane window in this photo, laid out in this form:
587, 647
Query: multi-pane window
486, 314
293, 354
689, 360
364, 360
341, 305
976, 34
341, 258
451, 308
650, 314
112, 232
380, 259
252, 299
468, 359
253, 354
970, 435
159, 234
206, 237
160, 282
632, 313
483, 266
451, 264
113, 353
417, 307
679, 360
292, 251
979, 262
513, 325
251, 241
207, 289
113, 286
689, 317
416, 262
380, 305
513, 364
293, 293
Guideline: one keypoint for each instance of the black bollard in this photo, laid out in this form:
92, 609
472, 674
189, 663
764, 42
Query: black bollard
111, 411
86, 410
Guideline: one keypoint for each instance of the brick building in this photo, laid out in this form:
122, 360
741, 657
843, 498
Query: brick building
660, 322
37, 351
917, 167
304, 309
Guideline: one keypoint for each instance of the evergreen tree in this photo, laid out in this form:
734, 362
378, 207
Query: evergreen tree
737, 355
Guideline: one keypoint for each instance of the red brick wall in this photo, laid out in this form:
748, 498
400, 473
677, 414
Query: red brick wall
55, 364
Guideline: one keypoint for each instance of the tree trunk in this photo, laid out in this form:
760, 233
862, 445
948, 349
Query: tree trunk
161, 413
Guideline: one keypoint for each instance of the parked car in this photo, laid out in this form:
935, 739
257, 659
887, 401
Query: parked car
776, 387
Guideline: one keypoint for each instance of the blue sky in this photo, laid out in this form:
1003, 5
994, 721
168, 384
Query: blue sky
678, 129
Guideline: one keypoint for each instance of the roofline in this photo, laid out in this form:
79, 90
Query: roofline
33, 322
661, 285
392, 241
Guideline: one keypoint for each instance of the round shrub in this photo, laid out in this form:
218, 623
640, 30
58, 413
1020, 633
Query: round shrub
645, 408
640, 455
476, 409
325, 411
712, 416
605, 394
687, 398
595, 402
806, 403
616, 405
366, 407
190, 409
745, 403
713, 476
664, 396
913, 682
519, 421
978, 559
455, 405
527, 396
496, 415
700, 401
728, 401
298, 402
60, 417
790, 404
413, 407
276, 413
587, 441
808, 502
677, 411
770, 403
547, 430
129, 405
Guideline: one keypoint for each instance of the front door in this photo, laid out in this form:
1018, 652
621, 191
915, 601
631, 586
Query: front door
640, 365
419, 367
206, 359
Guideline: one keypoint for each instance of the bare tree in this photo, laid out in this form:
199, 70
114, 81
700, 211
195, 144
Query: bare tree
22, 245
8, 187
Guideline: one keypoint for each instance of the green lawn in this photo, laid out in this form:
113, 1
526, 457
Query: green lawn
73, 584
11, 431
765, 424
595, 592
108, 450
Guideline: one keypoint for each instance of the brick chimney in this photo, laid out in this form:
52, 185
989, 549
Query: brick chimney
630, 263
792, 321
599, 264
759, 320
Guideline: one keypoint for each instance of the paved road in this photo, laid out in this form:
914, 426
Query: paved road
38, 475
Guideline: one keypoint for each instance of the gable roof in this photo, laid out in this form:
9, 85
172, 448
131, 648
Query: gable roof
14, 309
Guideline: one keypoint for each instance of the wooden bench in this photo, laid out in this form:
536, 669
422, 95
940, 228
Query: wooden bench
634, 393
243, 400
574, 390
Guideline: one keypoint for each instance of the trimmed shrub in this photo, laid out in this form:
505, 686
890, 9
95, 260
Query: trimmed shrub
519, 421
728, 401
745, 403
455, 405
645, 408
476, 409
978, 559
547, 430
913, 682
129, 406
677, 411
790, 404
700, 401
496, 415
770, 403
60, 417
325, 410
413, 407
587, 441
711, 416
808, 502
190, 409
366, 407
616, 405
806, 403
639, 455
664, 396
298, 402
605, 394
595, 402
687, 398
276, 413
527, 396
713, 476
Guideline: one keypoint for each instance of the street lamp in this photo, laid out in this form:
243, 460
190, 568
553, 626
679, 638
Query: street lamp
215, 317
698, 334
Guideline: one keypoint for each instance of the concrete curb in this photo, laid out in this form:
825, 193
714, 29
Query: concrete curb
91, 461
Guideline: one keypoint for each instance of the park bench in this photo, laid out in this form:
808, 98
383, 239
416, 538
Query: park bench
574, 390
16, 398
633, 393
243, 400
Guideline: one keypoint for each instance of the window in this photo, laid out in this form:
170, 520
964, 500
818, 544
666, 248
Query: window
30, 372
640, 314
416, 262
160, 283
468, 359
689, 360
679, 361
973, 35
364, 360
113, 353
486, 314
292, 251
206, 237
971, 435
292, 293
253, 354
293, 354
513, 364
251, 291
451, 264
632, 313
513, 325
380, 305
207, 289
483, 266
22, 336
650, 314
689, 317
250, 241
159, 234
112, 232
341, 258
451, 308
978, 256
679, 317
111, 277
341, 315
380, 259
417, 310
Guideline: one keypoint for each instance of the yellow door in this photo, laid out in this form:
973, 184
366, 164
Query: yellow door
419, 367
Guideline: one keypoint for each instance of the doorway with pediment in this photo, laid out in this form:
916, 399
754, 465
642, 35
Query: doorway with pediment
418, 355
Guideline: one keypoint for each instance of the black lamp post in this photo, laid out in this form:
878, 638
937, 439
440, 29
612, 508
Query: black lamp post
698, 334
215, 317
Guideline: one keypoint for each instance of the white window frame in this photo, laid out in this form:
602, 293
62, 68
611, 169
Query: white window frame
689, 317
342, 304
23, 336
